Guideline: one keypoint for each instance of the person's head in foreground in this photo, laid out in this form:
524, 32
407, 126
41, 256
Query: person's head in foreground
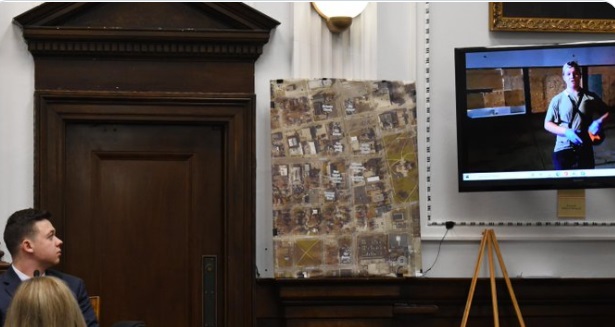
44, 302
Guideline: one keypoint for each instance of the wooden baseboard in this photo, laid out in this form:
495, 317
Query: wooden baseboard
431, 302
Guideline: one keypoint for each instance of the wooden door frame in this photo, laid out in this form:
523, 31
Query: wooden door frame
104, 52
234, 113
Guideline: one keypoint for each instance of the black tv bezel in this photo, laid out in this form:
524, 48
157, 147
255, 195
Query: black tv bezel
461, 113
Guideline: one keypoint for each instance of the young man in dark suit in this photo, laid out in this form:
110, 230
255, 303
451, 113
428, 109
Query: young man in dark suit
32, 241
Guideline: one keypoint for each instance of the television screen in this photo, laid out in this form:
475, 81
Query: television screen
525, 116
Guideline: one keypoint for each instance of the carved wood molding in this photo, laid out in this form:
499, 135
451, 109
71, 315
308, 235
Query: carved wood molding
218, 30
130, 48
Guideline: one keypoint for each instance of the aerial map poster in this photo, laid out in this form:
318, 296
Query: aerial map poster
345, 178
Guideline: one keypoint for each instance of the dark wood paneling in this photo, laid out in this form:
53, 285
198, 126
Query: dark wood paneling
143, 186
144, 152
144, 75
433, 302
130, 15
144, 189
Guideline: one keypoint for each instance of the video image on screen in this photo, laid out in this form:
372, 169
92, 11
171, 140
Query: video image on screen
503, 96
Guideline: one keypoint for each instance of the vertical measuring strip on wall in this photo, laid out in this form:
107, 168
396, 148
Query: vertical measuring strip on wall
427, 118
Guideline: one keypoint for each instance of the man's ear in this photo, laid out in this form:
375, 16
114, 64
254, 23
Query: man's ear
26, 246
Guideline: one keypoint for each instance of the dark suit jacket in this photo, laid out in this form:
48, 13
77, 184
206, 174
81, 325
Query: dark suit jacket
9, 282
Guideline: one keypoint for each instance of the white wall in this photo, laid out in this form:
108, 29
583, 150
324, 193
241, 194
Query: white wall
396, 60
16, 116
399, 58
275, 63
527, 251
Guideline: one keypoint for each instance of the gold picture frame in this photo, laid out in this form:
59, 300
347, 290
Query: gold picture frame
501, 20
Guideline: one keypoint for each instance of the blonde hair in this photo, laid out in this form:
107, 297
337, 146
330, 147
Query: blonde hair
44, 302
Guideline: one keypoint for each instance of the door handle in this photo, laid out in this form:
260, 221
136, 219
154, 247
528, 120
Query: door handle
209, 271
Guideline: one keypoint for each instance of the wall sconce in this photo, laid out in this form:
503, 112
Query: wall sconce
339, 14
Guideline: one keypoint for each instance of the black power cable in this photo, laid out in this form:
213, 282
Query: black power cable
449, 225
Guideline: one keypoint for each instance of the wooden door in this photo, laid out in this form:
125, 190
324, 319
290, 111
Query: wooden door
151, 198
150, 205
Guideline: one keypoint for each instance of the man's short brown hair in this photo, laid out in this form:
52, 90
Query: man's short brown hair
21, 225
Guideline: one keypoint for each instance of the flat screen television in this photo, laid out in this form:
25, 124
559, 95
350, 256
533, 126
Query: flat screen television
502, 96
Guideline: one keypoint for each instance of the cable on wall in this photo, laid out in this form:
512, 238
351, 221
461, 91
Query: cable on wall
449, 225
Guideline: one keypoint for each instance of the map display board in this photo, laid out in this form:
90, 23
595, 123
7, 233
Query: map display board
344, 178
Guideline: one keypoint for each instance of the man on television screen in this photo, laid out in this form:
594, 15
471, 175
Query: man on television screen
572, 117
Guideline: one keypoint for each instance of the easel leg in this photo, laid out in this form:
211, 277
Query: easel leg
481, 251
507, 279
492, 245
494, 295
